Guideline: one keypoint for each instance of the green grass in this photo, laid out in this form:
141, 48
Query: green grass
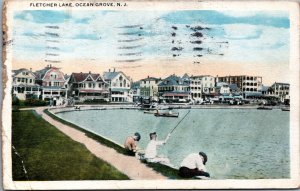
48, 154
100, 139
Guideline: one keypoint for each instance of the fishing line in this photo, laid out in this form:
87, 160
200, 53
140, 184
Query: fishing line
180, 121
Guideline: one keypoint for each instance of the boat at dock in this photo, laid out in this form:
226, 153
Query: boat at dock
166, 114
265, 108
285, 109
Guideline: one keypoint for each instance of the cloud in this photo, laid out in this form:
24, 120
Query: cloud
267, 18
233, 13
242, 31
43, 16
96, 34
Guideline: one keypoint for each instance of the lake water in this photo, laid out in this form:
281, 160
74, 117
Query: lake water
239, 143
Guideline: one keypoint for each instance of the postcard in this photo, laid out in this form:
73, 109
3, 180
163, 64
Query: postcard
150, 94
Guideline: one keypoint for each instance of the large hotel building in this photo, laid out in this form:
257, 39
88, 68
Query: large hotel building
249, 85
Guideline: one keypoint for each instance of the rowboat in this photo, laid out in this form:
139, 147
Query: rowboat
150, 112
285, 109
264, 108
166, 114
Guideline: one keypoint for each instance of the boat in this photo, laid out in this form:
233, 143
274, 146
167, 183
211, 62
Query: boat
285, 109
264, 108
150, 111
166, 114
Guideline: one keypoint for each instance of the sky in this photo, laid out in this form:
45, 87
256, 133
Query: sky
155, 43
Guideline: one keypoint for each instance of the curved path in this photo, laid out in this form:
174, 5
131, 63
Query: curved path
128, 165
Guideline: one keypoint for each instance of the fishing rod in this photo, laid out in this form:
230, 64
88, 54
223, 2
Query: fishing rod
180, 122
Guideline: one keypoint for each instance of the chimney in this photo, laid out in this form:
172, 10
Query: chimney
109, 70
89, 72
148, 76
30, 69
114, 69
50, 65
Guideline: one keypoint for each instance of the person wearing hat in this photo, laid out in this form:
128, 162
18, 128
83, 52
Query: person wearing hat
194, 166
130, 144
151, 153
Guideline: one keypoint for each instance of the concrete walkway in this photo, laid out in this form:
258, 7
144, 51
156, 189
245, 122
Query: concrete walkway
130, 166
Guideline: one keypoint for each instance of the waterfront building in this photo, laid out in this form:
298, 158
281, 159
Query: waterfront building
88, 86
196, 87
119, 86
222, 88
135, 91
208, 86
249, 85
174, 89
149, 87
202, 86
53, 82
24, 85
264, 90
281, 91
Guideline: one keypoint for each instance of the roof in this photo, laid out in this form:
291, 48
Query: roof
110, 75
280, 83
53, 88
200, 76
119, 89
16, 72
150, 79
221, 84
26, 85
186, 76
167, 94
233, 86
173, 80
259, 94
264, 88
79, 77
41, 73
92, 91
135, 85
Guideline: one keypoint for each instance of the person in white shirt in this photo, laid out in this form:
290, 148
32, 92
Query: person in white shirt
151, 153
194, 165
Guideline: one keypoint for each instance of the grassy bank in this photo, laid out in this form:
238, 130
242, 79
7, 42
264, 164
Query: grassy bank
164, 170
48, 154
100, 139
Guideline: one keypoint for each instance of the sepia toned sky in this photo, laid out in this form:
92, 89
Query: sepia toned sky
155, 43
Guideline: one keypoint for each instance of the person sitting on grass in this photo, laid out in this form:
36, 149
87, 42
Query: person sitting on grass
194, 166
151, 153
130, 144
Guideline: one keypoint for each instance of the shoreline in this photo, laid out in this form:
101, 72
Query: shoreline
62, 109
167, 171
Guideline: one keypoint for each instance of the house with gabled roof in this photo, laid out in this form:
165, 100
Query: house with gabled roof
119, 86
53, 82
88, 86
174, 89
24, 85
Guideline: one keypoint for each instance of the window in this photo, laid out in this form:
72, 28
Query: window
90, 85
19, 79
30, 80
